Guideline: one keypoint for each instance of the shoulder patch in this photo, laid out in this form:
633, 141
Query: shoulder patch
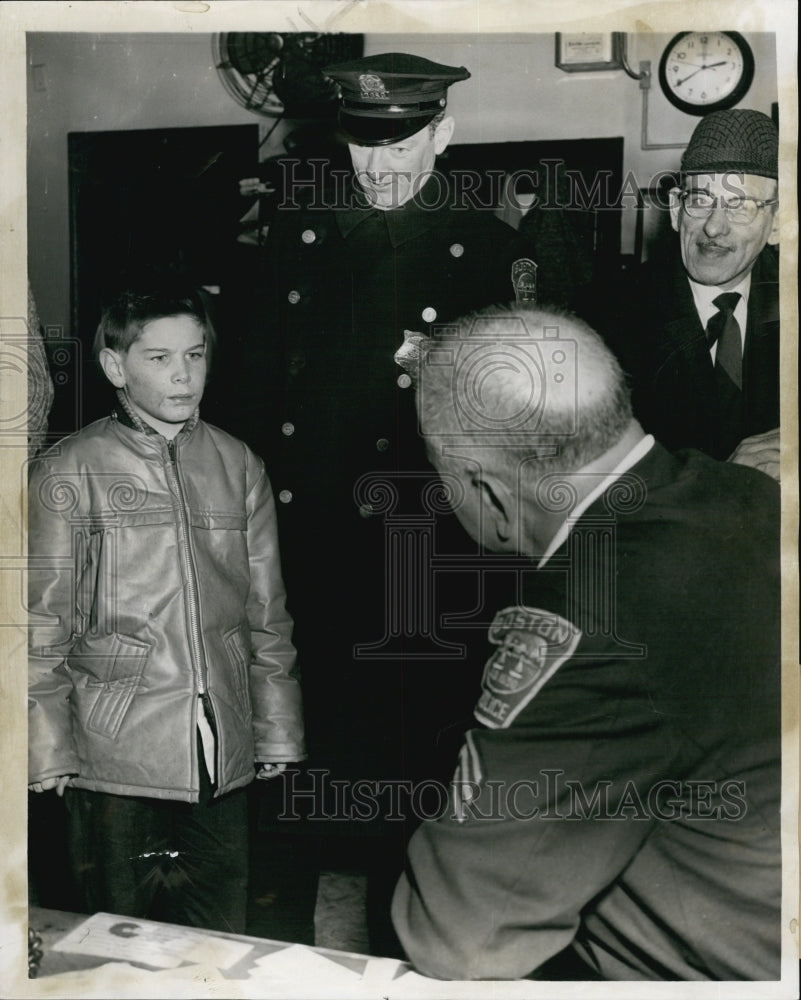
532, 645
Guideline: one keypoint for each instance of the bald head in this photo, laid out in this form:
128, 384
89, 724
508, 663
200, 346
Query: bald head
537, 386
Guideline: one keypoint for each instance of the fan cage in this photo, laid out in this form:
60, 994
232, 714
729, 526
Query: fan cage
273, 74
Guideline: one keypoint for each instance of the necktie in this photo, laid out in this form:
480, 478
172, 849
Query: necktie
724, 330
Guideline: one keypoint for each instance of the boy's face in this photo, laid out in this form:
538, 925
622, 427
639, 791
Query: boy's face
164, 371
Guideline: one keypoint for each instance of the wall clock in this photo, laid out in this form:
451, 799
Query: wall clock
703, 71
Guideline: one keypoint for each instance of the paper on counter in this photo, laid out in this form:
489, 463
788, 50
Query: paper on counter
163, 946
298, 963
382, 971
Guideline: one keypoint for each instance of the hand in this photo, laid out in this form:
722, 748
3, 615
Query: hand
59, 783
760, 451
267, 771
249, 186
408, 354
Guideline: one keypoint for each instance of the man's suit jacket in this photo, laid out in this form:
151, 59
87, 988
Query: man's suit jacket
656, 332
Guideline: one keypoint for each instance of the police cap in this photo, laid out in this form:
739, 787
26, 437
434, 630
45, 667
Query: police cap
388, 97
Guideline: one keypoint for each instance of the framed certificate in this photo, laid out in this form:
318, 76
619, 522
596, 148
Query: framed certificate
584, 52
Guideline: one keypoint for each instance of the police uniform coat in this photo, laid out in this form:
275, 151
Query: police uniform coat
347, 283
623, 793
343, 447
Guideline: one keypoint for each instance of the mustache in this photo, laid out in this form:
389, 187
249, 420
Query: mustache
711, 245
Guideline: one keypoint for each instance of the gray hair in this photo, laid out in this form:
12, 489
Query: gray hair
538, 385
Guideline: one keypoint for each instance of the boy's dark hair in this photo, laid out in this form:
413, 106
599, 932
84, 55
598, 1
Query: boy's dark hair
123, 320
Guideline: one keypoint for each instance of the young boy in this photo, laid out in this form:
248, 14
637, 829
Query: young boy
161, 661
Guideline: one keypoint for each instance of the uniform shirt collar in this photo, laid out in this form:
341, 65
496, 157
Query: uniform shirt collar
638, 452
404, 223
348, 217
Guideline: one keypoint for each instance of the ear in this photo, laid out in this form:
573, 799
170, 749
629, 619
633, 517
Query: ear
675, 207
111, 363
773, 235
444, 134
498, 509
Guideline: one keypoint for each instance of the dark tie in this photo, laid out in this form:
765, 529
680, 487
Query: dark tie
724, 330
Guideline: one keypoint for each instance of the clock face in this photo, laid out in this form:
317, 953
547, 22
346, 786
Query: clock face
706, 71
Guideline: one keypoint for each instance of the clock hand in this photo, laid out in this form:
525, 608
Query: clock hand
679, 83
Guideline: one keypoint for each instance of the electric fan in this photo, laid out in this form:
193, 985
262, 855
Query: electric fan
278, 74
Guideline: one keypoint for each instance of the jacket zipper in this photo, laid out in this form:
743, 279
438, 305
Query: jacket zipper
192, 601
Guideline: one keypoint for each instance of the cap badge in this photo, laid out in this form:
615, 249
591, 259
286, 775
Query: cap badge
372, 85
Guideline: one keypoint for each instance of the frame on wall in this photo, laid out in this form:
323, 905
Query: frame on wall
585, 52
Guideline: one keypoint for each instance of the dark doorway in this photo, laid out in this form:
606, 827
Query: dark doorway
149, 202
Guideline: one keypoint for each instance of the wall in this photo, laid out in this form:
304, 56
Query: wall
87, 82
91, 82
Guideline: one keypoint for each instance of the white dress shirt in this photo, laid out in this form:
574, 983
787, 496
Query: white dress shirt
704, 296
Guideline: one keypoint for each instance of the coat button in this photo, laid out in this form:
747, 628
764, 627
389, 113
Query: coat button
285, 496
308, 236
294, 297
288, 429
382, 444
404, 381
457, 250
429, 314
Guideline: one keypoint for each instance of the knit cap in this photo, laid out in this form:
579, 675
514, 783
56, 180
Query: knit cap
740, 141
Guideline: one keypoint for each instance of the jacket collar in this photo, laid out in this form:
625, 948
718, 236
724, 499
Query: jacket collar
764, 292
414, 217
604, 483
128, 417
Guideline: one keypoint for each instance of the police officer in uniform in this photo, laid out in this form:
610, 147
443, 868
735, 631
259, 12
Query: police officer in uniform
394, 247
351, 264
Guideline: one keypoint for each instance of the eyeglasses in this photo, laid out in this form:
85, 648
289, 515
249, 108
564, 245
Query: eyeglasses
740, 211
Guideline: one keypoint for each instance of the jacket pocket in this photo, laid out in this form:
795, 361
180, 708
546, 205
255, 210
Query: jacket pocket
110, 699
237, 646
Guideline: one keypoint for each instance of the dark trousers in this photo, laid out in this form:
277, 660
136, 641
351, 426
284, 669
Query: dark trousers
180, 862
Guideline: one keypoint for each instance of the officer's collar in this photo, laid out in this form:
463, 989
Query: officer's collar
413, 217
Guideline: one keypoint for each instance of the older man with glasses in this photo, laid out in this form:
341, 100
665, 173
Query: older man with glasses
699, 335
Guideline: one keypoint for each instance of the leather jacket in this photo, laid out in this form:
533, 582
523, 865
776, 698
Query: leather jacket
154, 578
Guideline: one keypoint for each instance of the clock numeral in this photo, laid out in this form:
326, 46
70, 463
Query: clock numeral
703, 96
704, 39
681, 55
